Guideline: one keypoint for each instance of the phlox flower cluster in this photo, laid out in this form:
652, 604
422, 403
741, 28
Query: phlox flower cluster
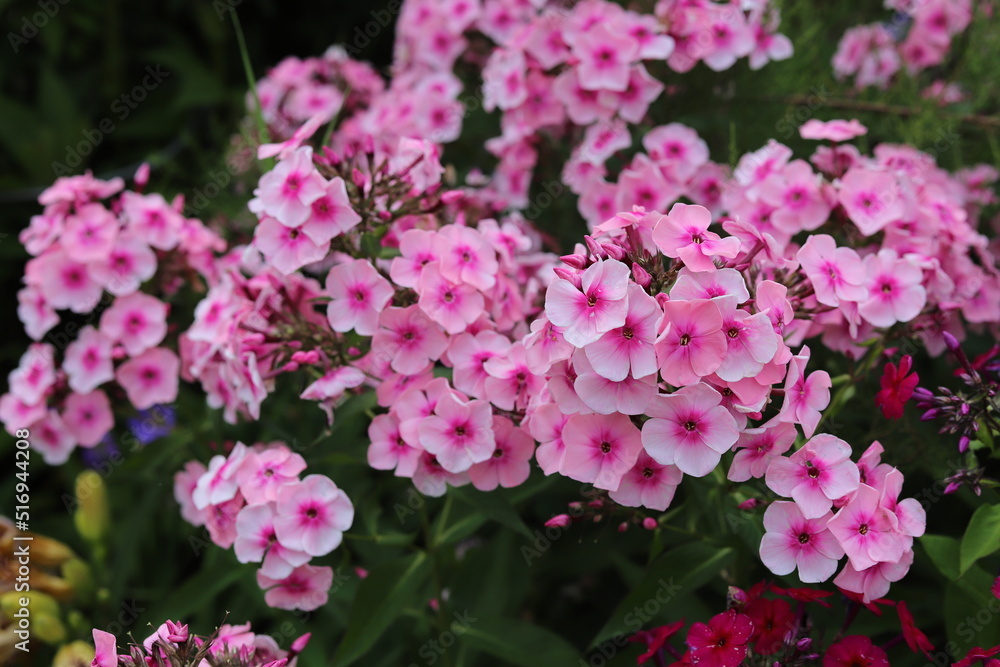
95, 252
254, 501
893, 238
919, 36
174, 645
299, 90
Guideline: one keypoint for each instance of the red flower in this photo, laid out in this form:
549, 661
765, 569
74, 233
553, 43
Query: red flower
772, 621
976, 655
870, 606
804, 594
655, 638
914, 636
897, 387
853, 651
995, 589
721, 643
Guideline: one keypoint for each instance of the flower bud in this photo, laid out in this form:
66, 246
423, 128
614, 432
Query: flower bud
623, 526
641, 276
649, 523
558, 521
299, 644
176, 632
576, 261
91, 516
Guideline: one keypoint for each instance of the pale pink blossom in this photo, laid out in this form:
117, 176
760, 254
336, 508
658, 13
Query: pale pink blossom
358, 293
816, 475
689, 429
795, 542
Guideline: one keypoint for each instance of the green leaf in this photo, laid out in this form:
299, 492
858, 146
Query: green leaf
969, 613
494, 506
982, 537
943, 552
200, 590
385, 592
515, 642
675, 574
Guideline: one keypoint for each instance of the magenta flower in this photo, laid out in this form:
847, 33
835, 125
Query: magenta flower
287, 248
262, 473
467, 257
596, 307
895, 289
312, 514
628, 348
871, 198
509, 465
833, 130
793, 541
797, 196
692, 343
331, 215
468, 354
88, 417
88, 362
137, 322
693, 285
358, 293
873, 582
408, 339
459, 433
604, 57
648, 484
750, 341
286, 193
388, 450
835, 272
683, 233
868, 532
129, 264
256, 541
604, 396
35, 374
804, 396
306, 588
150, 378
453, 306
720, 643
816, 475
690, 429
757, 447
600, 449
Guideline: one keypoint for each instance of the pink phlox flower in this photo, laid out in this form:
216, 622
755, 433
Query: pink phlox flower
459, 433
648, 484
816, 475
358, 293
509, 465
805, 396
597, 306
690, 429
868, 532
683, 234
312, 514
600, 449
691, 343
629, 348
793, 541
757, 447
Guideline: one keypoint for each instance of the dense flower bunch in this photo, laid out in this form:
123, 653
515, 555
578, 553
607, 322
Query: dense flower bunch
113, 264
768, 624
173, 645
297, 90
919, 36
901, 246
253, 500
